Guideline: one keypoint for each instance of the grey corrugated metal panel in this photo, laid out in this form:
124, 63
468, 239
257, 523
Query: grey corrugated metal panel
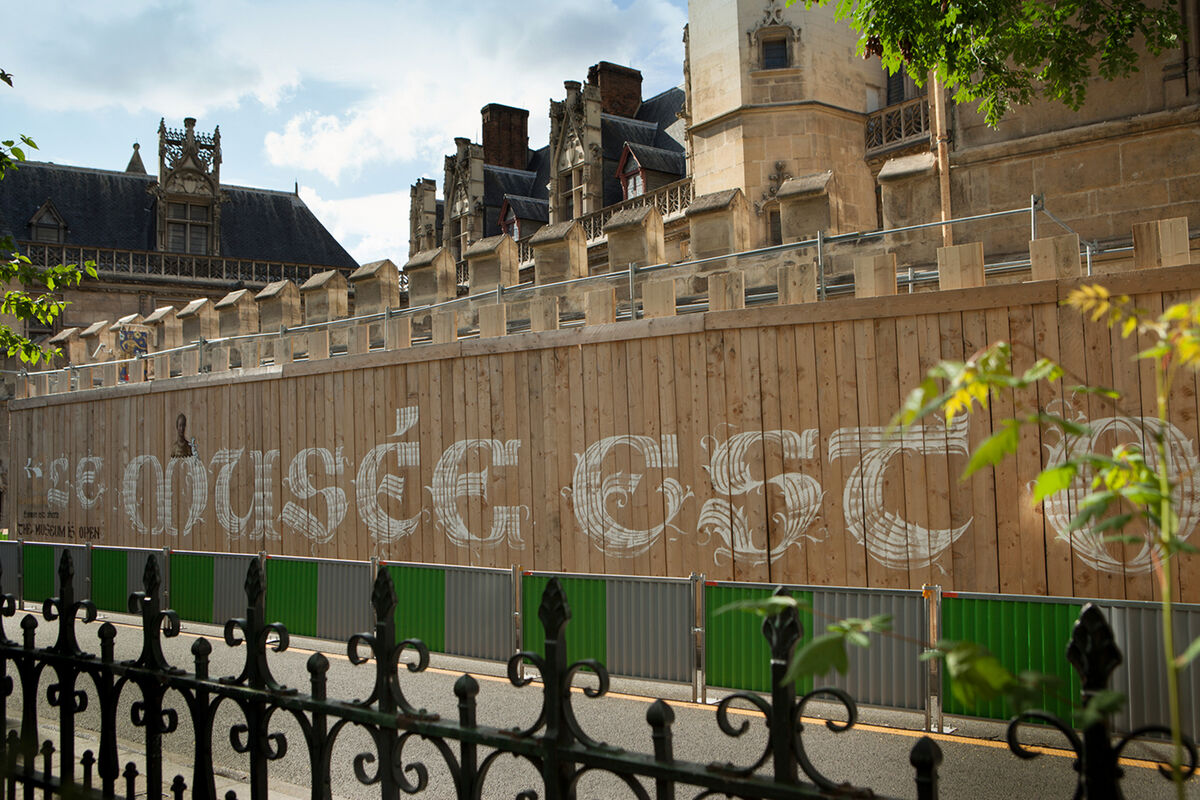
135, 568
888, 672
229, 585
1141, 676
10, 563
479, 612
81, 561
649, 628
343, 599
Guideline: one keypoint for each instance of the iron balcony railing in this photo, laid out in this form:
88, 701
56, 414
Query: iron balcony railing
898, 124
150, 265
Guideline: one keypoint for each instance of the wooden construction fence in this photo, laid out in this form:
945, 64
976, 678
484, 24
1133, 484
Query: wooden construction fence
746, 444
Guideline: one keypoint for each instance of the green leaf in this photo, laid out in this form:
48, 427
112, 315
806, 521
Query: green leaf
1102, 705
1053, 480
819, 656
764, 607
992, 450
1188, 655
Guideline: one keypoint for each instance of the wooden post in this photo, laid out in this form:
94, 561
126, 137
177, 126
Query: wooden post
108, 375
961, 266
875, 276
493, 320
399, 333
220, 358
359, 341
658, 298
1161, 243
600, 306
445, 326
1055, 258
318, 344
162, 367
543, 314
797, 283
727, 290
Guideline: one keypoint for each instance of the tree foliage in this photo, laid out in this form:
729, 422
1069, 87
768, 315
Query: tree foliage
29, 290
1002, 52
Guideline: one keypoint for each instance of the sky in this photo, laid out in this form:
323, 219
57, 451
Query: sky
352, 101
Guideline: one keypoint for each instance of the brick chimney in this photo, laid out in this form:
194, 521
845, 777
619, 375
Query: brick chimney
620, 88
505, 136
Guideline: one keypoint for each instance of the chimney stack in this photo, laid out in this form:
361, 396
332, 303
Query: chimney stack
620, 88
505, 136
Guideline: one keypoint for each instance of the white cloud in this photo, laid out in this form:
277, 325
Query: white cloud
371, 227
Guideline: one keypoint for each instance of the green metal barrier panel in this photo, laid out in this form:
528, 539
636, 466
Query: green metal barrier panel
292, 595
192, 586
587, 632
1023, 636
38, 568
736, 655
109, 590
420, 604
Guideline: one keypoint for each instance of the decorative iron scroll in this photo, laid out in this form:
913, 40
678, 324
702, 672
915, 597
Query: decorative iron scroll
556, 744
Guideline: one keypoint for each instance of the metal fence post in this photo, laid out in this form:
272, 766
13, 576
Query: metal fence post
166, 587
371, 585
518, 632
90, 573
21, 574
699, 673
933, 674
820, 265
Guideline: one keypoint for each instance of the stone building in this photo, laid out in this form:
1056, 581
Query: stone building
608, 146
777, 105
162, 239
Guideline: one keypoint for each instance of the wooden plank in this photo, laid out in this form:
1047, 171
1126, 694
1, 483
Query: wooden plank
658, 298
1055, 258
1049, 396
691, 414
575, 545
798, 414
493, 320
626, 461
430, 422
774, 509
748, 412
539, 432
398, 333
1008, 523
727, 290
980, 542
600, 306
875, 276
849, 417
797, 283
662, 366
445, 326
358, 339
543, 314
717, 431
557, 533
960, 266
894, 365
828, 557
1098, 363
318, 344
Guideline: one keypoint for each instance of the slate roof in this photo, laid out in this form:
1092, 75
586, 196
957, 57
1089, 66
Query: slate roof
659, 160
108, 209
529, 207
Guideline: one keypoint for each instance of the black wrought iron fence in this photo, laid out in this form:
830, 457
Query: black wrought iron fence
555, 745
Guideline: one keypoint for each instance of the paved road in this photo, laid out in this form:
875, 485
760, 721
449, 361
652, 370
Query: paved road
874, 754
